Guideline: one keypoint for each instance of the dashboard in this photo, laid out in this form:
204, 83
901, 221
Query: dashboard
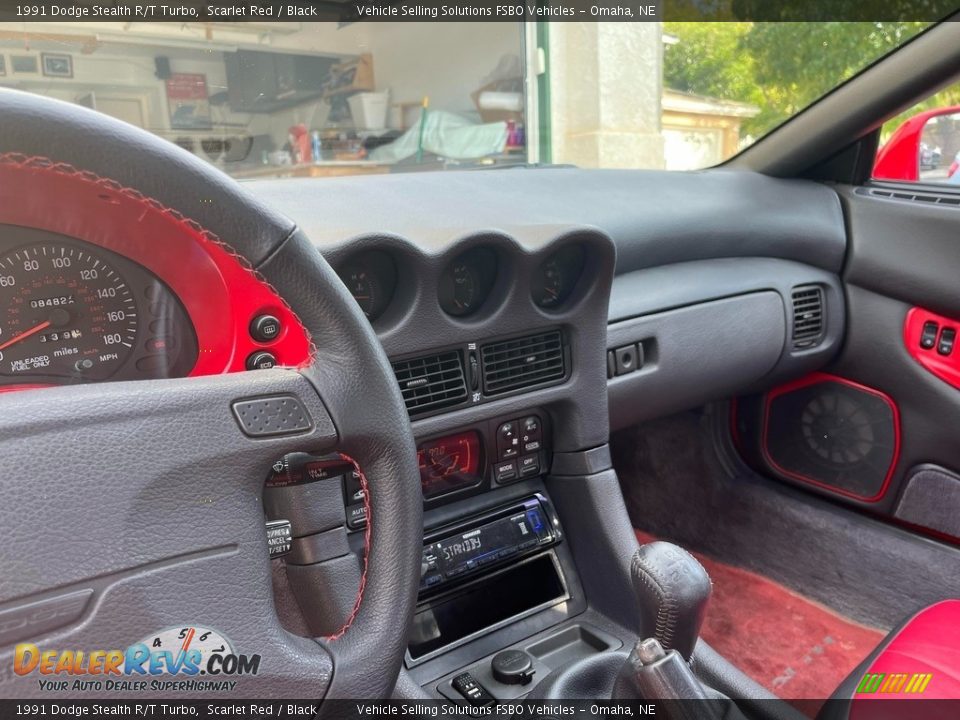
114, 286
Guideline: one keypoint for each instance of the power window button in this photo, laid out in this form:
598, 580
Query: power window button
928, 338
947, 338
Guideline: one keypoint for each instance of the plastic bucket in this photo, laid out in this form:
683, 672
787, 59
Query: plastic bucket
369, 110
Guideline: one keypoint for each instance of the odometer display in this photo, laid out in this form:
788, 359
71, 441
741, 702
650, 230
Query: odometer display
65, 312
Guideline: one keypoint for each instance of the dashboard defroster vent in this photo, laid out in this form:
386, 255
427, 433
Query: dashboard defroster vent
522, 362
431, 382
807, 316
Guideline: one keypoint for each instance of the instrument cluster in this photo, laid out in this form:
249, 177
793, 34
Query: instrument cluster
72, 312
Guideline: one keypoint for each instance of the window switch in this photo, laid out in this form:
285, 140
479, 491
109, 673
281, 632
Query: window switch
928, 338
473, 691
947, 338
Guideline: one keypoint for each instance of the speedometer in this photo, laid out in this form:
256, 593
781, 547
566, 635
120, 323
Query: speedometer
65, 311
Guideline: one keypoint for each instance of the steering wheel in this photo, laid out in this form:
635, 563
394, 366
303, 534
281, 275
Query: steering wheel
133, 508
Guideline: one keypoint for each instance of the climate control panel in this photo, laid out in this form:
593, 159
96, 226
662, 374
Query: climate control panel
519, 443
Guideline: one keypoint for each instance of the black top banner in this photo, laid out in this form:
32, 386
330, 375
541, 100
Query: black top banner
352, 11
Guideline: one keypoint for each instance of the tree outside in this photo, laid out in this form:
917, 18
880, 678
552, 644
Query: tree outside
780, 68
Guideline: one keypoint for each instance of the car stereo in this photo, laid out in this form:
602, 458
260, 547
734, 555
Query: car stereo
504, 535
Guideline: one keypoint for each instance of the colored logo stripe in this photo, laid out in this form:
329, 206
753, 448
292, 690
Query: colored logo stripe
891, 683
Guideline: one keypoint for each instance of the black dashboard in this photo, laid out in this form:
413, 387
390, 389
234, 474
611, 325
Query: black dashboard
628, 296
476, 326
519, 332
669, 290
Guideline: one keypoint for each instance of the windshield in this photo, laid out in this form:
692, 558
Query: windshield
321, 100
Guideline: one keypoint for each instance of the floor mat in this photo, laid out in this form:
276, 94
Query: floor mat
792, 646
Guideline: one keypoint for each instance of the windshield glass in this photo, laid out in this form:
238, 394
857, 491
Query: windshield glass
278, 99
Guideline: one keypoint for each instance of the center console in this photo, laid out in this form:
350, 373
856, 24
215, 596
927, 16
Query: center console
507, 398
495, 569
484, 572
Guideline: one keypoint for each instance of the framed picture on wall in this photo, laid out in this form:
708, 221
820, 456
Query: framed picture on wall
24, 64
57, 65
188, 101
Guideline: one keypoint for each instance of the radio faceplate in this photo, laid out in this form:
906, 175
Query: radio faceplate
483, 542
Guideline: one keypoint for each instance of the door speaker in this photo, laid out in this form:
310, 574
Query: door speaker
833, 433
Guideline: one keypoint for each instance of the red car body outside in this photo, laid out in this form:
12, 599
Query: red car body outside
899, 158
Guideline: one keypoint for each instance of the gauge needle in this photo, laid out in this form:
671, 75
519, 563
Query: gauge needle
25, 334
185, 646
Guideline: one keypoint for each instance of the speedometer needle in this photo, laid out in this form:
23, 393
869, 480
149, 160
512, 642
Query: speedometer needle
25, 334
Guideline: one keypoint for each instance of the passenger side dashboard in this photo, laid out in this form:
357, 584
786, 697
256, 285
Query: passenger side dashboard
710, 329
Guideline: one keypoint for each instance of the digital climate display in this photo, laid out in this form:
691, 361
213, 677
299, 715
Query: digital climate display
450, 463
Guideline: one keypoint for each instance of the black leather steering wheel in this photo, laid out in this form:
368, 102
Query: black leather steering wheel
133, 507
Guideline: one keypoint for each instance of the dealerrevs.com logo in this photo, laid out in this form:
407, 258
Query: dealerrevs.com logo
167, 661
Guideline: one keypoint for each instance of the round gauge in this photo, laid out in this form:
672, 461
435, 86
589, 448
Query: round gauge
202, 642
371, 277
66, 312
467, 281
557, 276
464, 298
364, 288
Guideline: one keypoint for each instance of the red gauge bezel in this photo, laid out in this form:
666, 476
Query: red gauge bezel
220, 292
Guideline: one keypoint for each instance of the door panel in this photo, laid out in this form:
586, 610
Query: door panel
902, 273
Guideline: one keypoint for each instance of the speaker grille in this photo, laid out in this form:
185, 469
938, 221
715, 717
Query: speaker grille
833, 434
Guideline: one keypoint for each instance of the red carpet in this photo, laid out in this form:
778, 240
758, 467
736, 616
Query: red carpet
794, 647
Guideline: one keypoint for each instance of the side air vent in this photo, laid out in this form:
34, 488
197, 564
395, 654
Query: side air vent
522, 362
431, 382
807, 316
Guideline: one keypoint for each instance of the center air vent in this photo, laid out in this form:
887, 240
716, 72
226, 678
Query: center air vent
431, 382
522, 362
807, 316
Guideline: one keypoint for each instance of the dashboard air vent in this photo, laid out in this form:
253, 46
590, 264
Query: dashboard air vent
807, 316
431, 382
522, 362
931, 196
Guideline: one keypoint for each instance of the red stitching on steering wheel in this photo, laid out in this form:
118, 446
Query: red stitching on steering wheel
367, 533
45, 164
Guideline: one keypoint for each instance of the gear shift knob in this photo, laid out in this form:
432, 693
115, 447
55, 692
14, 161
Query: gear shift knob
672, 591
